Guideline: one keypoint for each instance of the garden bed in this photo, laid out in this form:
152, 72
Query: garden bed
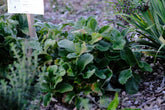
151, 94
86, 62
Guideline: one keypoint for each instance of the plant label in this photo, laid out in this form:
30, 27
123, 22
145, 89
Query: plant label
26, 6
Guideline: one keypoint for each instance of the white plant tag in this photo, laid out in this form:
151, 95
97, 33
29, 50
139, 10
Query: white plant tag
26, 6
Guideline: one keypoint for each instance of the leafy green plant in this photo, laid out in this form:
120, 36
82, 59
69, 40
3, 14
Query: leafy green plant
7, 35
12, 29
87, 61
20, 87
150, 24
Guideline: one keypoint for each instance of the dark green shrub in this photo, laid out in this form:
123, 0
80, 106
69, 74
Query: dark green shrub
11, 29
7, 35
87, 61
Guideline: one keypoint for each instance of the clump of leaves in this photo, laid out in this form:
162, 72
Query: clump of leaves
7, 35
11, 28
87, 62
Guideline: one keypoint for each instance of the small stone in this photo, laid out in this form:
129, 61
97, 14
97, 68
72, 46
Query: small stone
54, 100
129, 102
159, 100
123, 93
159, 71
75, 108
155, 73
136, 102
133, 107
152, 65
146, 83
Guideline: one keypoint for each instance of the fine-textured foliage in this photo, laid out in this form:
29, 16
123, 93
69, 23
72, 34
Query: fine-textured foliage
20, 87
150, 24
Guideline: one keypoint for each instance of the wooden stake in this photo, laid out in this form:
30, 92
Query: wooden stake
32, 31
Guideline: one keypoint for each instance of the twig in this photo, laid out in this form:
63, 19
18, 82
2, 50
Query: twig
88, 96
160, 90
162, 84
146, 102
159, 94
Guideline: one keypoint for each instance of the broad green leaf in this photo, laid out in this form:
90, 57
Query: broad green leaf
61, 71
44, 58
109, 76
100, 74
80, 23
62, 52
69, 97
88, 74
67, 44
47, 99
70, 72
132, 84
48, 43
52, 69
46, 77
80, 48
96, 87
82, 103
84, 60
72, 55
118, 44
117, 40
45, 86
95, 38
103, 62
125, 75
111, 89
127, 55
92, 24
113, 105
145, 66
103, 46
57, 80
59, 61
64, 87
103, 29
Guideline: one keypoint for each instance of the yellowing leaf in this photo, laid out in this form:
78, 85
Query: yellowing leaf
162, 40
